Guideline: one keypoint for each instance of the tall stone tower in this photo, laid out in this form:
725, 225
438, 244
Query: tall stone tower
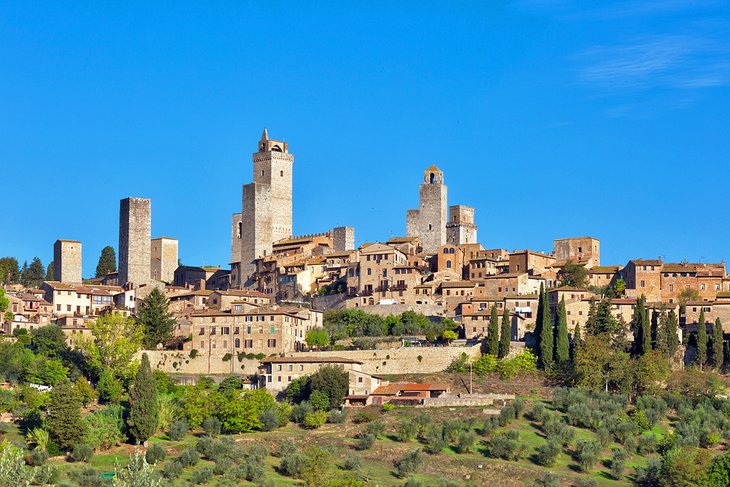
67, 261
163, 260
135, 217
266, 214
429, 221
461, 228
344, 238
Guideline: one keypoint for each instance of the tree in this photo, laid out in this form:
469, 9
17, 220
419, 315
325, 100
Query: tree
13, 470
577, 343
573, 275
491, 345
717, 345
701, 339
448, 336
718, 475
562, 346
143, 405
50, 271
600, 366
642, 328
33, 275
114, 341
65, 426
505, 334
107, 262
619, 287
157, 321
242, 412
661, 338
333, 381
546, 332
9, 270
4, 301
672, 325
317, 337
49, 341
137, 473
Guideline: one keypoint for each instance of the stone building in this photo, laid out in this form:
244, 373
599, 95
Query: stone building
461, 228
266, 214
643, 277
428, 222
135, 217
67, 261
163, 259
580, 250
534, 263
344, 238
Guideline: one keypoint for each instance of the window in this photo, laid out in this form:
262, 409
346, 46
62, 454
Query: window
237, 343
643, 284
370, 271
278, 367
281, 173
448, 264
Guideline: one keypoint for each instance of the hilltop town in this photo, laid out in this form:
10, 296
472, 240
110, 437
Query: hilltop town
403, 323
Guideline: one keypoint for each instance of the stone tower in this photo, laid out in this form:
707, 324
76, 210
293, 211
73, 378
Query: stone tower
266, 214
135, 216
428, 222
461, 228
67, 261
163, 259
344, 238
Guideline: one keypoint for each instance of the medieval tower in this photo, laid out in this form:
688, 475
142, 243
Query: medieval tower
428, 222
67, 261
266, 214
461, 228
135, 220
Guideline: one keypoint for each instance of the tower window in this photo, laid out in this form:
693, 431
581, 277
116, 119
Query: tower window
281, 173
433, 178
430, 227
262, 172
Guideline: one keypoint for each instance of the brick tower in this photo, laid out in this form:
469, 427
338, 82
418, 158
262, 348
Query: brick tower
429, 221
266, 214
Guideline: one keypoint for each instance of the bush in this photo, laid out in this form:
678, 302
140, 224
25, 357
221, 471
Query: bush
434, 437
618, 462
547, 453
407, 430
178, 430
589, 483
352, 462
506, 415
489, 426
286, 447
300, 411
466, 442
189, 457
537, 413
202, 476
269, 419
292, 464
212, 426
409, 464
105, 428
336, 417
376, 428
193, 353
155, 454
505, 445
315, 419
319, 400
519, 406
365, 441
172, 470
365, 416
36, 457
549, 480
587, 453
388, 407
82, 452
647, 444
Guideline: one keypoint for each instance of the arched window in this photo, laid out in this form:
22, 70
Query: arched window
281, 173
448, 264
451, 251
240, 229
446, 251
430, 227
433, 178
238, 343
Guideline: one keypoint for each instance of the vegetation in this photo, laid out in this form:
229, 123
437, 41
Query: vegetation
156, 319
107, 262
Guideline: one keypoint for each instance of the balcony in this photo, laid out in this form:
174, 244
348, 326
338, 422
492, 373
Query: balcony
366, 292
399, 287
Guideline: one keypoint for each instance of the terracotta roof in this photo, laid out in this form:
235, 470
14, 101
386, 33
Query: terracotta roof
604, 269
395, 240
242, 292
646, 262
395, 388
309, 360
458, 284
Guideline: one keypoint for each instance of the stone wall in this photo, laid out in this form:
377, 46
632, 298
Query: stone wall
468, 400
396, 309
400, 360
135, 215
67, 261
179, 362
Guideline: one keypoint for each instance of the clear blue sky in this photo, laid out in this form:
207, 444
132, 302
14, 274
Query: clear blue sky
553, 118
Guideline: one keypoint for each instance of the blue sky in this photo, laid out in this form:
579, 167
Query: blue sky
553, 118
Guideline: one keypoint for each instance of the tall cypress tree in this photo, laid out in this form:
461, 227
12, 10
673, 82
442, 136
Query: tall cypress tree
65, 426
107, 261
143, 406
505, 334
562, 345
577, 343
646, 345
538, 322
718, 356
492, 347
642, 329
701, 339
546, 334
662, 330
672, 337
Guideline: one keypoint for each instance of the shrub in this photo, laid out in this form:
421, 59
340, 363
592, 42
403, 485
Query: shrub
365, 416
336, 417
519, 406
319, 401
388, 407
466, 442
409, 464
434, 437
631, 444
376, 428
155, 453
549, 480
489, 426
506, 415
618, 462
352, 462
286, 447
193, 353
36, 457
202, 476
82, 452
189, 457
406, 431
647, 444
537, 413
292, 464
172, 470
589, 483
365, 441
269, 419
505, 445
587, 453
547, 453
212, 426
300, 411
178, 430
315, 419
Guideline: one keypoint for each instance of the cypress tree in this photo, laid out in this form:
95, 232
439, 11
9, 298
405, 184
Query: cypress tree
672, 337
546, 334
577, 343
107, 262
562, 345
718, 356
505, 335
493, 333
538, 322
65, 426
642, 329
701, 339
143, 405
662, 330
156, 319
655, 332
646, 337
49, 271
